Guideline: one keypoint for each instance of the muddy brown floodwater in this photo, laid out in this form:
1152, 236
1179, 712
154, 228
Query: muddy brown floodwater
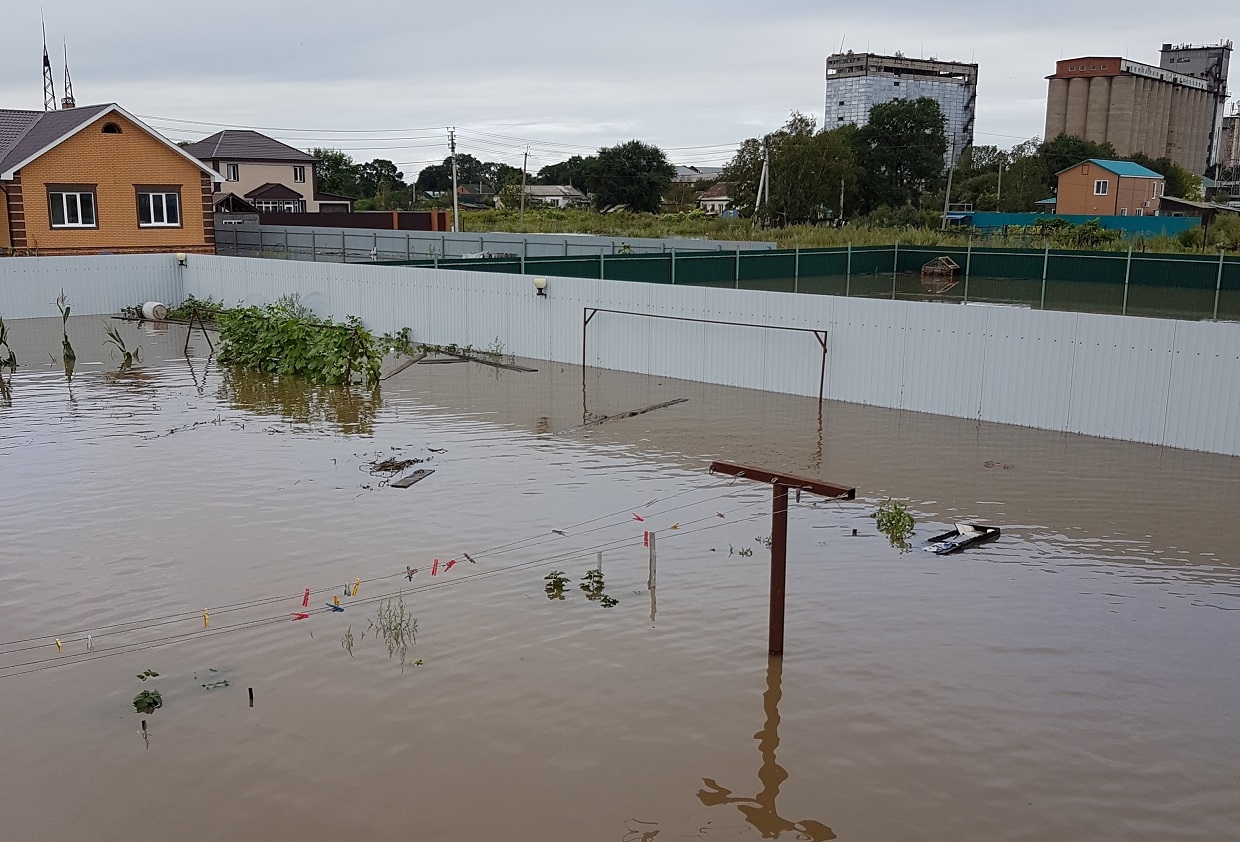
1077, 679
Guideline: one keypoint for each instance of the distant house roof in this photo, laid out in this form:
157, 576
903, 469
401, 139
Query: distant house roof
1052, 200
1125, 169
330, 197
718, 191
231, 203
690, 174
1173, 203
553, 191
245, 145
26, 135
272, 192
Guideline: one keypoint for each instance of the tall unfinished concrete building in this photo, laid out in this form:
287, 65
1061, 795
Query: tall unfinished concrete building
1157, 111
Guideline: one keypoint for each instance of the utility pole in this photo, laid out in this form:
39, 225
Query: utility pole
947, 199
525, 165
999, 191
456, 210
764, 182
840, 219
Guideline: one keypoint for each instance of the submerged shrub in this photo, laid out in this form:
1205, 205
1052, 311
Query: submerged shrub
288, 339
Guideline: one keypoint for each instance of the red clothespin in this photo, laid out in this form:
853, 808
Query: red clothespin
637, 517
435, 568
645, 539
297, 615
448, 566
305, 599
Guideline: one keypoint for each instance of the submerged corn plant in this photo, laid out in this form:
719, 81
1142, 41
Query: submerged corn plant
70, 358
117, 341
397, 627
8, 360
894, 520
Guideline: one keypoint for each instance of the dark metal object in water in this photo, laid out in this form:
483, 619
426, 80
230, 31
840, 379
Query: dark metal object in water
410, 479
964, 535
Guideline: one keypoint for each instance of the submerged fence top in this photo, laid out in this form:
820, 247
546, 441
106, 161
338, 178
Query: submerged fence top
1182, 286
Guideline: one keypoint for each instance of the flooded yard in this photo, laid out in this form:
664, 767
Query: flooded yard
1076, 679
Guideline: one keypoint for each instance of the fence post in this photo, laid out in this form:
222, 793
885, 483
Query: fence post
895, 269
566, 248
1218, 283
523, 258
602, 272
314, 246
1046, 260
673, 267
408, 246
287, 254
344, 257
737, 282
1127, 274
848, 272
968, 268
796, 269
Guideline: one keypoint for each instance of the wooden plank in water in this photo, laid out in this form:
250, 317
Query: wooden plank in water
403, 366
630, 414
409, 479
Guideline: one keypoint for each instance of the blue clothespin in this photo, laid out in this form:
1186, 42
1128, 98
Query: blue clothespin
409, 571
334, 607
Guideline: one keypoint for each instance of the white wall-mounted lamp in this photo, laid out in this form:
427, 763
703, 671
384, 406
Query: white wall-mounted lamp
540, 284
181, 257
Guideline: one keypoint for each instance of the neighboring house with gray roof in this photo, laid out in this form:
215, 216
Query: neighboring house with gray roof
97, 179
273, 176
556, 195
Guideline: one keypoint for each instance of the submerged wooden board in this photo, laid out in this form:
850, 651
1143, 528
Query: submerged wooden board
409, 479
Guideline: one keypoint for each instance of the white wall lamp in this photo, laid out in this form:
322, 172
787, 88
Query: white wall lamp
181, 257
540, 284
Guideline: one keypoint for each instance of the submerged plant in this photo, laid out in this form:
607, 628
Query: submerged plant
8, 360
556, 583
894, 520
145, 674
347, 641
397, 627
286, 339
148, 701
117, 341
593, 586
70, 358
204, 308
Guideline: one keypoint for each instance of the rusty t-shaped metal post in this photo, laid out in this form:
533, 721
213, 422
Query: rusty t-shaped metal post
780, 483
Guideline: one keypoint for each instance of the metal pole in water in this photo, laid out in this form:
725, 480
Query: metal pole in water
895, 269
848, 272
673, 267
650, 580
737, 282
779, 566
1218, 283
1127, 274
796, 269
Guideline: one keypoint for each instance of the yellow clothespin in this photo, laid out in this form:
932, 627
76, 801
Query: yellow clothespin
357, 583
335, 599
205, 622
59, 648
676, 525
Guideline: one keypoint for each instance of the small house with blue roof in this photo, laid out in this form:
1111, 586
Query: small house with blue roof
1109, 188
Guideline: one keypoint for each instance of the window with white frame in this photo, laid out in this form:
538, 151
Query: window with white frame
1159, 187
299, 175
1101, 186
231, 173
1123, 211
71, 208
159, 207
1139, 212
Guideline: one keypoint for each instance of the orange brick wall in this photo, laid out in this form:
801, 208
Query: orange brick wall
5, 240
1076, 191
115, 163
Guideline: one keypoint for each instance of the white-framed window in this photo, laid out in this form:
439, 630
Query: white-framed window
159, 209
71, 209
1159, 187
231, 172
1139, 212
1101, 186
282, 206
1123, 211
299, 175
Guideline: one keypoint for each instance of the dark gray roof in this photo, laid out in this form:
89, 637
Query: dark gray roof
244, 145
25, 133
273, 191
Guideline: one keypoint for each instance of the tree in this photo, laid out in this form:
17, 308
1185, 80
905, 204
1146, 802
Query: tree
336, 173
900, 151
380, 175
1066, 150
574, 172
636, 174
1179, 182
807, 170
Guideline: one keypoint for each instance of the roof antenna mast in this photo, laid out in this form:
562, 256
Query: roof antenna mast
68, 101
49, 90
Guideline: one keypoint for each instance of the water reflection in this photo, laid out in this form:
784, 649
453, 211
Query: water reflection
760, 810
349, 409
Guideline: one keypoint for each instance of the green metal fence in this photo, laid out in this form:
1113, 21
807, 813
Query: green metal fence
1182, 286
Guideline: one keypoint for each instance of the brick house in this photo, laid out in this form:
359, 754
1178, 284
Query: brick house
1109, 188
96, 179
715, 201
270, 175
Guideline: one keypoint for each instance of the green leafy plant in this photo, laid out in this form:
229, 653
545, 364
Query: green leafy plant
556, 583
8, 361
764, 541
148, 701
145, 674
206, 308
70, 358
593, 586
894, 520
285, 339
117, 341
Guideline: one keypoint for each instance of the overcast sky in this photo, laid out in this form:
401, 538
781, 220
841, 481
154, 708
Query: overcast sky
383, 79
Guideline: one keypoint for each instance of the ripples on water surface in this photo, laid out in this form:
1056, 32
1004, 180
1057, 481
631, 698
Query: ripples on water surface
1077, 679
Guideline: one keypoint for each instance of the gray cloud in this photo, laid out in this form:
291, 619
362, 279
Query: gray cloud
696, 77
